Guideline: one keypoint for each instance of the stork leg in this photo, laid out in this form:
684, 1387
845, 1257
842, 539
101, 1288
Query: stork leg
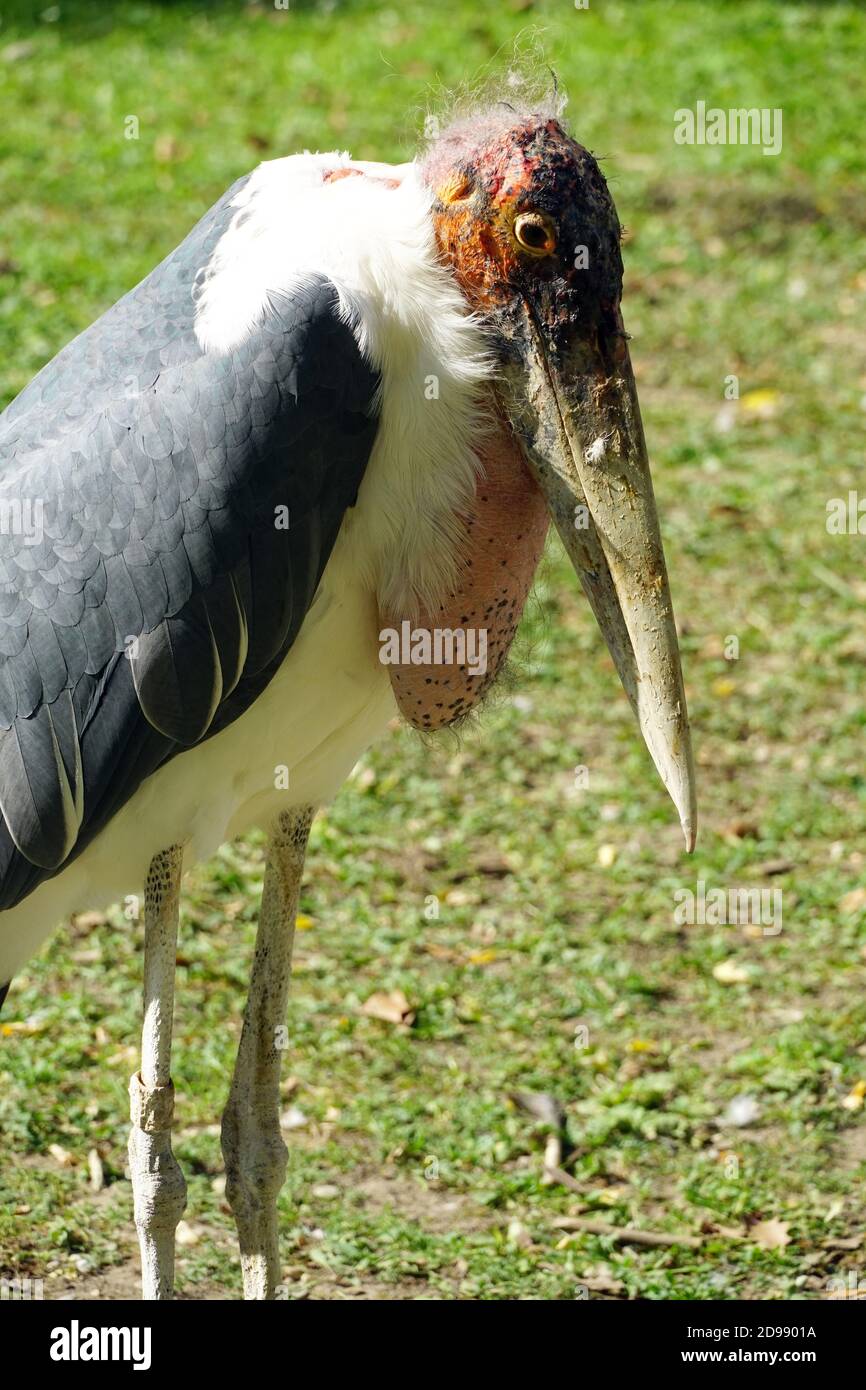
253, 1149
158, 1185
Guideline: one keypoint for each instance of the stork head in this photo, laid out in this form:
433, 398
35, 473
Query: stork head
524, 218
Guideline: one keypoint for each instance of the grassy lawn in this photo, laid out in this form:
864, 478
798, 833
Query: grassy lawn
528, 919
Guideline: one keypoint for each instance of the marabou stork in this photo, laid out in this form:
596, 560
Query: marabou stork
344, 407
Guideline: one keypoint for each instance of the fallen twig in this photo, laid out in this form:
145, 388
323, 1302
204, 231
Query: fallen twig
625, 1235
553, 1173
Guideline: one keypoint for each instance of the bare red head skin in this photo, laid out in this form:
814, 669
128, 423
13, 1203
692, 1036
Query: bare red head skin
524, 217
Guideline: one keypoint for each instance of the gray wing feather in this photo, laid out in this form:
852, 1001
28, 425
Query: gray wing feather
158, 597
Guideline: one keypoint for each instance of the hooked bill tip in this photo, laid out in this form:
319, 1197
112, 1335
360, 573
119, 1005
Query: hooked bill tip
690, 832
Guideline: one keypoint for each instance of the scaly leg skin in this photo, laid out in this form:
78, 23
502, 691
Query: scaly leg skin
158, 1185
253, 1149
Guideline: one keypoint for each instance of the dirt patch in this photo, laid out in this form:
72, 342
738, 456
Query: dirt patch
850, 1147
431, 1207
122, 1283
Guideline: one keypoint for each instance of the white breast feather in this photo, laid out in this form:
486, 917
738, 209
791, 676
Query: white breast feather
376, 244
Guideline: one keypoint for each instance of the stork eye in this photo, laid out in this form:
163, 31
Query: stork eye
535, 232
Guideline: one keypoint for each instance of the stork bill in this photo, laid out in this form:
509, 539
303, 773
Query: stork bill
343, 409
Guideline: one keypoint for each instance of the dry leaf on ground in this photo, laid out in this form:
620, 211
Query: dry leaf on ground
390, 1006
770, 1235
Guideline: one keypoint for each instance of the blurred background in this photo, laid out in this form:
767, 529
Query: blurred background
509, 894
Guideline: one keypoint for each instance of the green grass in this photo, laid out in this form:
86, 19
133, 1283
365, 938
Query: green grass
736, 264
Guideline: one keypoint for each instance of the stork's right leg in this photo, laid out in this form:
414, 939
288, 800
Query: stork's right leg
253, 1149
158, 1185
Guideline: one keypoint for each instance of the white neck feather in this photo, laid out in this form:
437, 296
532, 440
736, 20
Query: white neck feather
375, 242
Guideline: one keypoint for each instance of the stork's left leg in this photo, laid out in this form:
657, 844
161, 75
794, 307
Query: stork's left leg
253, 1149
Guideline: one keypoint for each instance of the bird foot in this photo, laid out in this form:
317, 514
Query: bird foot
158, 1184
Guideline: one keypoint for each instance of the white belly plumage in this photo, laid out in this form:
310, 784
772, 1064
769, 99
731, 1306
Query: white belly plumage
329, 701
